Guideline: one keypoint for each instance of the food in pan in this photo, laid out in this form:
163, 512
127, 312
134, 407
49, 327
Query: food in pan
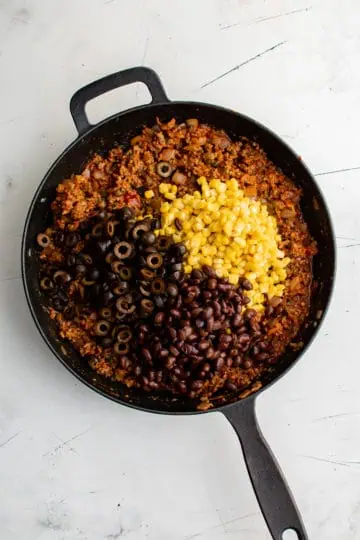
180, 265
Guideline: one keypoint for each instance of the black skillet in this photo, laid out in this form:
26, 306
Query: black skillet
273, 495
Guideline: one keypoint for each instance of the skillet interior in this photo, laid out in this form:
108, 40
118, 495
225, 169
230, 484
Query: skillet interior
120, 129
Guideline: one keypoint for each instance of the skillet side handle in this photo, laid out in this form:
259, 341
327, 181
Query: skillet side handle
273, 495
111, 82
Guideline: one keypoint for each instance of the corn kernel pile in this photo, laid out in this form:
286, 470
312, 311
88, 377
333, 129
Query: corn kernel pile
228, 231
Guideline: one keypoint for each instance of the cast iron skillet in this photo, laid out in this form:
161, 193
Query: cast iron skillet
273, 495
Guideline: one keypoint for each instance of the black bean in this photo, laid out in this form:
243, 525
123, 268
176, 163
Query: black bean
124, 362
245, 284
209, 271
211, 284
237, 361
175, 313
172, 289
210, 324
178, 224
261, 357
275, 301
146, 354
159, 318
243, 339
204, 344
249, 314
197, 385
248, 363
159, 301
182, 387
230, 386
219, 363
208, 312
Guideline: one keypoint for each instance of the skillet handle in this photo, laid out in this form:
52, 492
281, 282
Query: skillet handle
273, 495
110, 82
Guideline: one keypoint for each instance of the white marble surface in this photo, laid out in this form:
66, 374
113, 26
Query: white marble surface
76, 466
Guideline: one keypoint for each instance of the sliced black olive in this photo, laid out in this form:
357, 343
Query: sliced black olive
97, 230
105, 312
124, 305
125, 213
61, 277
88, 282
148, 238
146, 274
124, 334
110, 228
110, 276
43, 240
164, 169
121, 288
121, 348
116, 266
123, 250
154, 260
147, 306
72, 239
101, 328
172, 289
125, 273
145, 288
139, 229
163, 243
158, 286
46, 284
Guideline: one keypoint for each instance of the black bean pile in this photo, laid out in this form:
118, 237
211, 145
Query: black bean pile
168, 331
202, 331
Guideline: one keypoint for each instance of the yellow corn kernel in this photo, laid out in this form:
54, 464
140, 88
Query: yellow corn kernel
149, 194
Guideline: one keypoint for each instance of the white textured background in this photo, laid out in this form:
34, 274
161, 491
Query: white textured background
76, 466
